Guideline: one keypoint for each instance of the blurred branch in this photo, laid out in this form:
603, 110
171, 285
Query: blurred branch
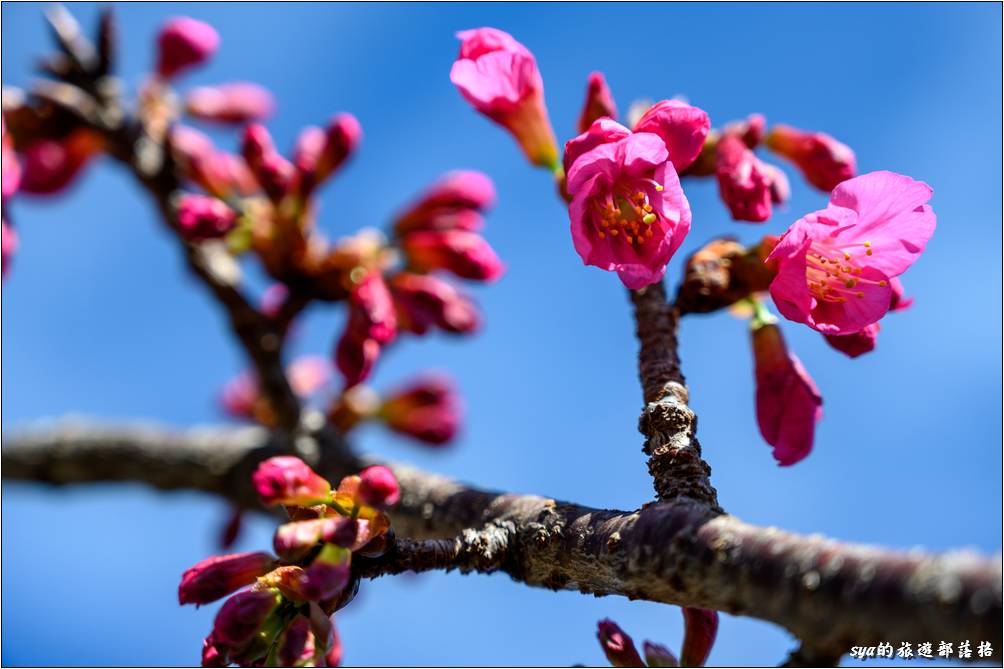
830, 595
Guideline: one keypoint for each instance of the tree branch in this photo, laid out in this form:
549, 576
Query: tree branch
828, 594
667, 422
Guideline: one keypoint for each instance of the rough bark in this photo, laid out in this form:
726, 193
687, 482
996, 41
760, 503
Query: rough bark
831, 595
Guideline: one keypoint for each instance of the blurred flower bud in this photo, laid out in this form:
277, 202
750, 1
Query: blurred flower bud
11, 168
700, 627
318, 160
466, 254
286, 479
271, 170
899, 300
237, 102
212, 654
242, 616
372, 323
184, 43
451, 203
355, 357
8, 244
333, 657
326, 576
308, 374
857, 343
599, 102
293, 540
751, 131
780, 189
217, 576
617, 645
232, 528
241, 396
378, 487
48, 165
200, 217
427, 409
424, 301
657, 655
354, 405
824, 161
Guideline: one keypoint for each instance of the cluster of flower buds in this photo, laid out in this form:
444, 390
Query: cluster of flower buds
700, 630
427, 409
439, 233
284, 617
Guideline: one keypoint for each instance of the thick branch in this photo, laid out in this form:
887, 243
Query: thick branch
667, 422
828, 594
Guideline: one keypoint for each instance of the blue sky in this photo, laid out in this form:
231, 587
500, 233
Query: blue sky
103, 321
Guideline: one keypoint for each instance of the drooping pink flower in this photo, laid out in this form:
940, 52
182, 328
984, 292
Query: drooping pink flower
857, 343
427, 409
200, 217
466, 254
700, 627
454, 202
286, 479
835, 265
617, 645
234, 103
424, 301
378, 487
218, 576
242, 615
628, 212
657, 655
824, 161
788, 404
744, 183
499, 77
682, 128
599, 102
184, 43
49, 165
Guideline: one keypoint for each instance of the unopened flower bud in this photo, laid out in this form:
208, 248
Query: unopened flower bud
217, 576
788, 404
8, 244
378, 487
424, 301
599, 102
354, 405
293, 540
184, 43
242, 616
270, 169
234, 103
319, 160
744, 182
286, 479
824, 161
296, 643
428, 410
617, 645
49, 166
466, 254
213, 655
657, 655
200, 217
454, 202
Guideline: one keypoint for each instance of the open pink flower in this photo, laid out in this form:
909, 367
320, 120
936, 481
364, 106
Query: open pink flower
628, 212
682, 127
599, 102
824, 161
499, 77
835, 265
744, 183
788, 404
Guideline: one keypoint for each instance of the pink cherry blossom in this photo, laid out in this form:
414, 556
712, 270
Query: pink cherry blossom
683, 129
499, 77
200, 217
628, 212
378, 487
788, 404
599, 102
835, 265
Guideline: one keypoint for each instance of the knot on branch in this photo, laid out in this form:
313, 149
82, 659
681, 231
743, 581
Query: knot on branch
484, 550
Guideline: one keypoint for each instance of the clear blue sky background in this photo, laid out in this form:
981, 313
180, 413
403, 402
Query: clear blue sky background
103, 321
